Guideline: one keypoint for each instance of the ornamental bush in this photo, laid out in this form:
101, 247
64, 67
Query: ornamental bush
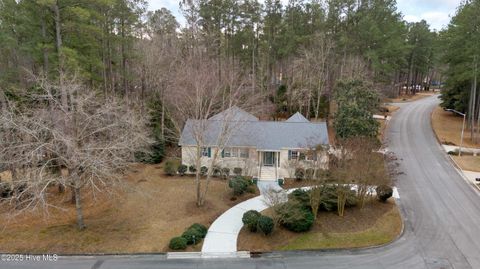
299, 173
237, 171
301, 196
193, 236
203, 170
294, 217
200, 228
250, 219
329, 198
384, 192
192, 169
217, 171
239, 185
265, 224
178, 243
225, 172
182, 169
171, 167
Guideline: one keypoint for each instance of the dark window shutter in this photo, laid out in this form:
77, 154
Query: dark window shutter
222, 153
209, 152
289, 154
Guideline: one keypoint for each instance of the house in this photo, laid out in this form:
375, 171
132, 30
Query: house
267, 150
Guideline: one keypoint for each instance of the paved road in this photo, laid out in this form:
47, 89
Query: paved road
441, 211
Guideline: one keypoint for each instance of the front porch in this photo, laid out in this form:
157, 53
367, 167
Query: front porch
268, 164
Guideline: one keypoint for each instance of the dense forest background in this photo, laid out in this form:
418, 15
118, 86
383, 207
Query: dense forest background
292, 54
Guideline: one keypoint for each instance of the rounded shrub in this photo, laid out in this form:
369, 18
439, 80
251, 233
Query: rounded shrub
217, 171
237, 171
192, 169
384, 192
238, 185
299, 173
203, 170
171, 167
178, 243
225, 172
250, 219
200, 228
301, 196
182, 169
193, 236
300, 221
265, 224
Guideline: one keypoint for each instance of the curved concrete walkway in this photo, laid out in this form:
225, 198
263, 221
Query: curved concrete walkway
223, 233
221, 239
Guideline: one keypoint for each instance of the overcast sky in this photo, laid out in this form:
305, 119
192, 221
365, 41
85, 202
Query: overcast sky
436, 12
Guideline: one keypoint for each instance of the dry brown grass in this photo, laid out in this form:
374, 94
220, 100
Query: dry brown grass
409, 97
376, 224
469, 163
142, 217
448, 127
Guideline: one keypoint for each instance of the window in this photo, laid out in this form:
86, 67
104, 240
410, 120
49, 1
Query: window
244, 153
205, 152
234, 152
227, 152
293, 155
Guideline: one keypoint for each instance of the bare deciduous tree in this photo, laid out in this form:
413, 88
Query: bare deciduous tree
91, 141
197, 93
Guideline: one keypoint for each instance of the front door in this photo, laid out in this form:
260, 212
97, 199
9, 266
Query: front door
268, 158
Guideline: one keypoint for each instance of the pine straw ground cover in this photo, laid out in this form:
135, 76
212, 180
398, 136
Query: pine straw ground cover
376, 224
143, 215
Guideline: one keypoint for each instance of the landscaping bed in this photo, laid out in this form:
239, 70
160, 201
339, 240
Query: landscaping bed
143, 215
376, 224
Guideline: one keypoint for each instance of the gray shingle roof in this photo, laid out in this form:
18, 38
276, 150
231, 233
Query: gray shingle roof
263, 135
297, 117
234, 113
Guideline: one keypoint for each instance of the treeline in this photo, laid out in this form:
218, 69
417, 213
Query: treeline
461, 56
292, 54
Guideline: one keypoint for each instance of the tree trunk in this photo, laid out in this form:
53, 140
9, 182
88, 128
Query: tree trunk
78, 206
58, 35
3, 101
44, 49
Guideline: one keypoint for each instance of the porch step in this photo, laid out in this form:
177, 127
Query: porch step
267, 173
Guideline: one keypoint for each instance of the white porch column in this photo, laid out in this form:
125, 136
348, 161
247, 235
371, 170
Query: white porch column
277, 155
259, 162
